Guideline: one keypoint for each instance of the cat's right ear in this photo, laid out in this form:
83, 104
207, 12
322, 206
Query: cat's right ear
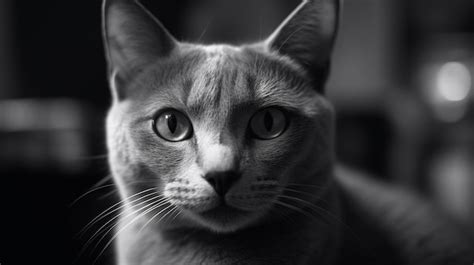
307, 36
133, 39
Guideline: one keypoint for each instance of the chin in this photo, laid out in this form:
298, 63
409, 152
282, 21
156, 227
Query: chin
224, 219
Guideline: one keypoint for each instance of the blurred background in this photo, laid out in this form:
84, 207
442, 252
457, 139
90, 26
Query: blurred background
401, 83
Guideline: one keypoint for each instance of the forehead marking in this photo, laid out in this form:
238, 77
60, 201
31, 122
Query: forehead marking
218, 82
229, 77
207, 79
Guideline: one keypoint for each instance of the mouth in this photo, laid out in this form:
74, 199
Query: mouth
223, 210
224, 215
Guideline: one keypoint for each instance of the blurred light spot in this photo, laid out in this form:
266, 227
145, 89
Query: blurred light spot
453, 81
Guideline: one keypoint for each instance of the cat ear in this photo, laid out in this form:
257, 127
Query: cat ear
133, 39
307, 35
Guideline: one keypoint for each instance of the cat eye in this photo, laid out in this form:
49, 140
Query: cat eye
172, 126
268, 123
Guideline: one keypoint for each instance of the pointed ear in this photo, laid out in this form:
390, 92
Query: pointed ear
307, 35
133, 39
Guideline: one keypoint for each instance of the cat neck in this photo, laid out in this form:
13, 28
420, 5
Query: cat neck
298, 238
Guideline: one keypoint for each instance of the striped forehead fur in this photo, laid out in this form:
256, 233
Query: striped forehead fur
209, 81
216, 82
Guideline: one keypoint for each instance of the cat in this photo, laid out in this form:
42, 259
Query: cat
224, 154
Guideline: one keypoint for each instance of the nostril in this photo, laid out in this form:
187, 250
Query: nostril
222, 181
212, 181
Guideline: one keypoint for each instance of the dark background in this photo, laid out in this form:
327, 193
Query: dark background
396, 119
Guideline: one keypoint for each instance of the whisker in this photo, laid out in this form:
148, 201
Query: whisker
173, 208
307, 185
325, 213
308, 204
97, 187
178, 212
309, 194
103, 180
294, 208
127, 215
319, 209
151, 208
103, 227
108, 194
317, 196
93, 157
153, 217
120, 203
89, 192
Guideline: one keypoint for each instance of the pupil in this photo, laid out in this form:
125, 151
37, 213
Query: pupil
172, 122
268, 121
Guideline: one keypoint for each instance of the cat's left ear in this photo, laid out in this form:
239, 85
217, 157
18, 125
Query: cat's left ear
307, 35
133, 39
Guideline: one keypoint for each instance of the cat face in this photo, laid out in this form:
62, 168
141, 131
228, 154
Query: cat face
214, 136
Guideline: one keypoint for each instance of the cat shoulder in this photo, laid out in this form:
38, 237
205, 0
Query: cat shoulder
414, 227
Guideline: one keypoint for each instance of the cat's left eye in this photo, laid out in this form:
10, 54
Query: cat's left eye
268, 123
173, 126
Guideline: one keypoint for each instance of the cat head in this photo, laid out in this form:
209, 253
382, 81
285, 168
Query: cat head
218, 136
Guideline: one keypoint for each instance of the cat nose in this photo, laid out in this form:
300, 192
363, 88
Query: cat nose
222, 181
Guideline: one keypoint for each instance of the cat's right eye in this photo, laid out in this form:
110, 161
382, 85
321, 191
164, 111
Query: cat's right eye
268, 123
173, 126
